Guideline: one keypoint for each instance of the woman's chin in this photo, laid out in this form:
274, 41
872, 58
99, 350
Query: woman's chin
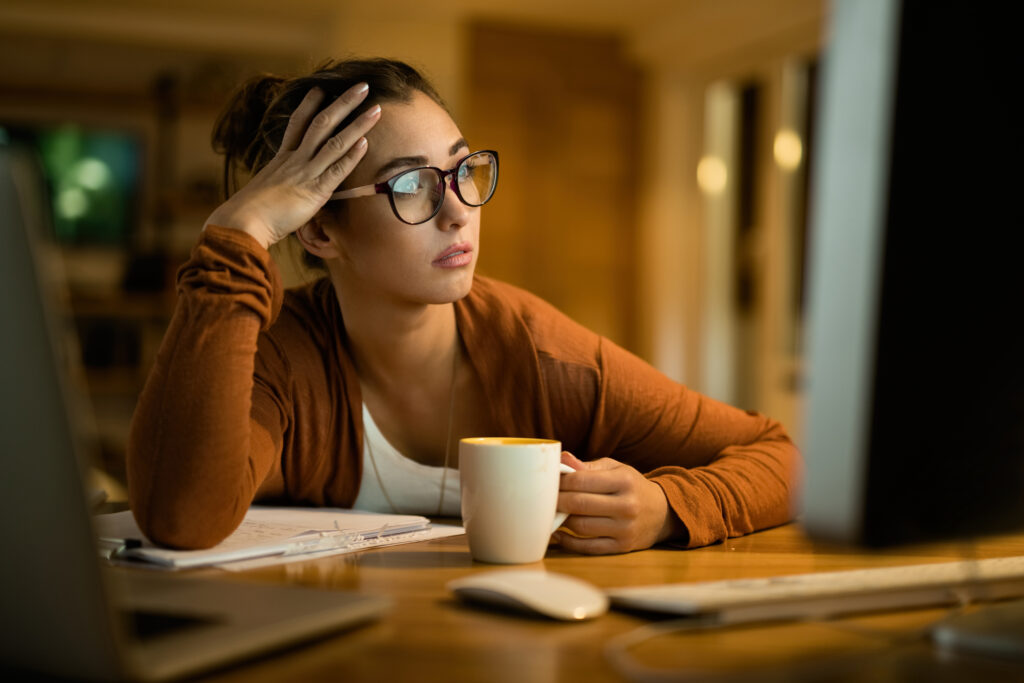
456, 286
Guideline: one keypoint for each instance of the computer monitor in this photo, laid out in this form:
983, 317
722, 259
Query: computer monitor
915, 330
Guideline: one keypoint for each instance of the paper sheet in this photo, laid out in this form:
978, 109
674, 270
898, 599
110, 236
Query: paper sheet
435, 531
281, 533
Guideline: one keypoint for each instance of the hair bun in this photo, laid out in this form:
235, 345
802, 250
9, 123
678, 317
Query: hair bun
239, 123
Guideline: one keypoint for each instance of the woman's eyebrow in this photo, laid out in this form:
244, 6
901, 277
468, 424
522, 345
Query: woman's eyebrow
400, 162
459, 144
413, 161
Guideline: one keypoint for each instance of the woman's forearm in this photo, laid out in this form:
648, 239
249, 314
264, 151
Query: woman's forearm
193, 461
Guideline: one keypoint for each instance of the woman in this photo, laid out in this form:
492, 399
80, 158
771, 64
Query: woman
353, 391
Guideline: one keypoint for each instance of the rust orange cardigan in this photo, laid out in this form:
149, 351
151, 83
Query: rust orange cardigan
253, 395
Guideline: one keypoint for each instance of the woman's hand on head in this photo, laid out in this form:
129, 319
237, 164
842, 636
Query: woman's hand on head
310, 164
612, 509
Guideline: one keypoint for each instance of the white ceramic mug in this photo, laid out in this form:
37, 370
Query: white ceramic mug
509, 494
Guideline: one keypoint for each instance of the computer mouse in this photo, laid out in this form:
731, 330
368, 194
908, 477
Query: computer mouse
558, 596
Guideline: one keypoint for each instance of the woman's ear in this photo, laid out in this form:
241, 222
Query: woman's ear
316, 240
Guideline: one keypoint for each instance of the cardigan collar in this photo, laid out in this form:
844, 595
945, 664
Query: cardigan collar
503, 353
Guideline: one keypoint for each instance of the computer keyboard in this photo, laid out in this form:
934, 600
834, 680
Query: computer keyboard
826, 594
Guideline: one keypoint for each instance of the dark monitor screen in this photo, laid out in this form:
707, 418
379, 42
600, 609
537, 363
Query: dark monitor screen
92, 178
915, 334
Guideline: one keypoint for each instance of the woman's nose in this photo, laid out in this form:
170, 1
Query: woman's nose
453, 212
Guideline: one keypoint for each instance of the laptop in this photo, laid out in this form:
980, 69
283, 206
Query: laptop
65, 613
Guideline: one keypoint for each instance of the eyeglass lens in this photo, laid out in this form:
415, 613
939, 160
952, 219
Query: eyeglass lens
417, 194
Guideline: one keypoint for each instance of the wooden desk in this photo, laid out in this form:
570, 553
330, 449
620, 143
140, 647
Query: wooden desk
429, 636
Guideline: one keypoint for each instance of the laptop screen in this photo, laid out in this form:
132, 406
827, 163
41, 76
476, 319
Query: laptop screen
53, 599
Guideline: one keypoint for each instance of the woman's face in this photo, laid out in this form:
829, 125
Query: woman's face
429, 263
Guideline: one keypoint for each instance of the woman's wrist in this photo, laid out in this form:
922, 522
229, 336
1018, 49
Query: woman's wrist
234, 221
672, 528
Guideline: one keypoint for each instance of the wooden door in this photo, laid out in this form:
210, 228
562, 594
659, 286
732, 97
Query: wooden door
561, 109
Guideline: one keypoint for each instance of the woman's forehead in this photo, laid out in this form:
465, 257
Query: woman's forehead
419, 127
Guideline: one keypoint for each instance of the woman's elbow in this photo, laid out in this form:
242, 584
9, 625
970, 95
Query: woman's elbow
184, 527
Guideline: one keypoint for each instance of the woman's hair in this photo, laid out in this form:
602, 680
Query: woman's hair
248, 131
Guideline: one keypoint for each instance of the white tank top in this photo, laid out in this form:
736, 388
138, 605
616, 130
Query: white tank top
414, 488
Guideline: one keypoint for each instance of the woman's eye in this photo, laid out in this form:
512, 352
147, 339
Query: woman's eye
465, 172
408, 183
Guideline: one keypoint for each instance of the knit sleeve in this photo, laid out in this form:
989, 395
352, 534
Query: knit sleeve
725, 471
196, 457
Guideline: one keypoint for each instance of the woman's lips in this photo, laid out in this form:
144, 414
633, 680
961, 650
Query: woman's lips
455, 256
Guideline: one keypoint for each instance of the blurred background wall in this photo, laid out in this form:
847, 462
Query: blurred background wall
654, 161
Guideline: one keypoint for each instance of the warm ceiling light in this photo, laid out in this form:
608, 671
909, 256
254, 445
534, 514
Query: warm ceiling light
712, 175
788, 149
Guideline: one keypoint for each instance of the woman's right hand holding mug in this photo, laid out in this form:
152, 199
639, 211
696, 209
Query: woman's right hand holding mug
310, 165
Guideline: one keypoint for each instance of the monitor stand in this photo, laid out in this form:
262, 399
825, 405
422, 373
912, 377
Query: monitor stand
995, 630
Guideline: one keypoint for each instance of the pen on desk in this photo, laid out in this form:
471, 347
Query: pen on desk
112, 548
323, 540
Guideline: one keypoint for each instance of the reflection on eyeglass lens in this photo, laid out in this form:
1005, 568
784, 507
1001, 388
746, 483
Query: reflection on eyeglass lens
418, 193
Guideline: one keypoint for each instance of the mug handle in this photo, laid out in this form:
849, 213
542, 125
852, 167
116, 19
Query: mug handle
560, 516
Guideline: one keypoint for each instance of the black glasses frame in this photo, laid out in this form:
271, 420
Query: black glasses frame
387, 186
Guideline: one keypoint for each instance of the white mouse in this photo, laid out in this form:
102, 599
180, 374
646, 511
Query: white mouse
558, 596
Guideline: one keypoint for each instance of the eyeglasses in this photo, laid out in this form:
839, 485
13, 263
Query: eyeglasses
416, 195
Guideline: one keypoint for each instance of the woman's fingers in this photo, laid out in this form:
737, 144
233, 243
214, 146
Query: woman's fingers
299, 120
598, 476
590, 504
603, 545
339, 170
323, 124
612, 508
326, 160
598, 534
331, 163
